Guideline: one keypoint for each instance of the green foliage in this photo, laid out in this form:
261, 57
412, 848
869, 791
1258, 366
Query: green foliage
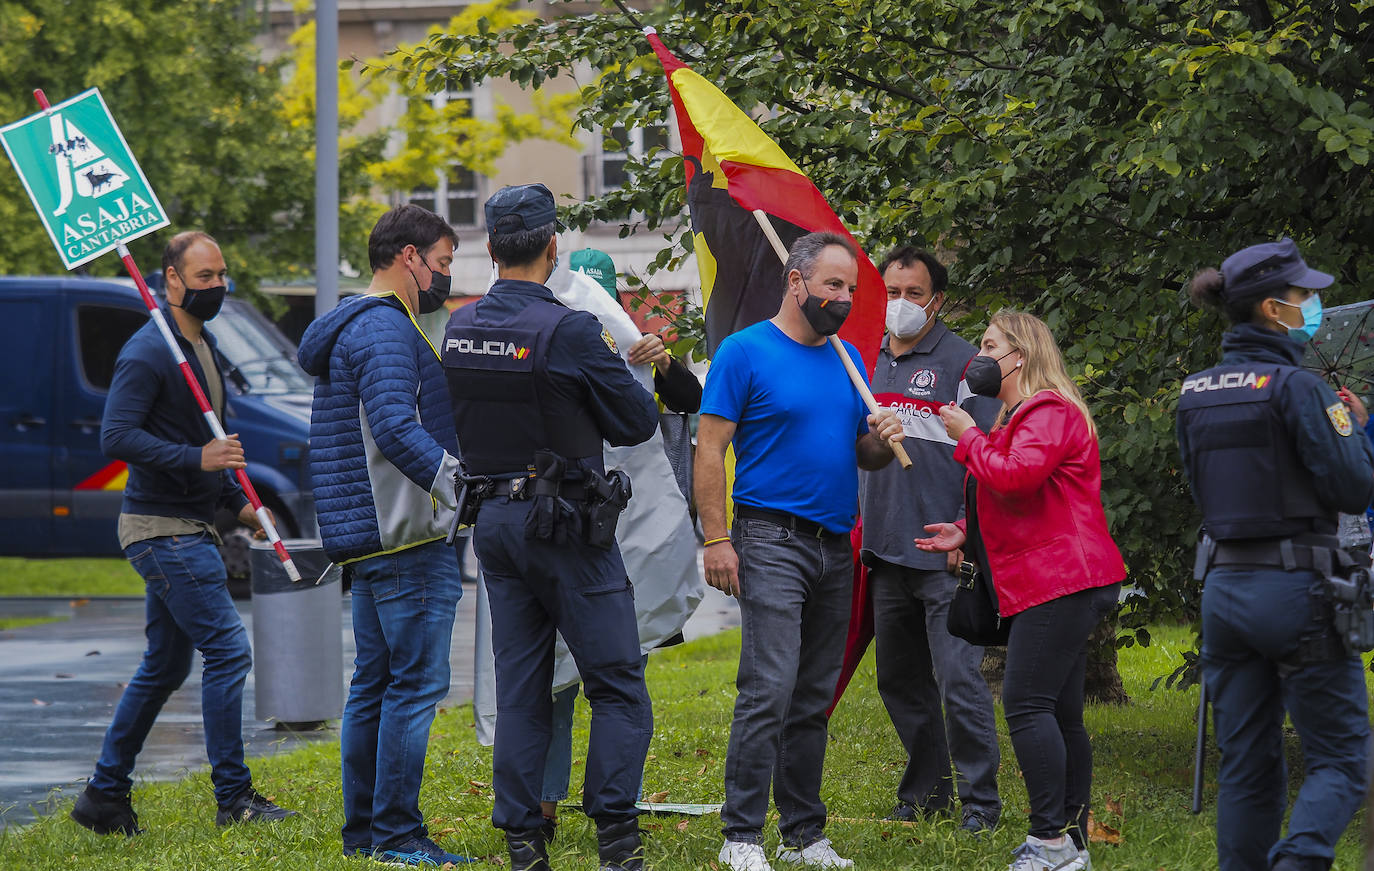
434, 139
1079, 159
1141, 786
203, 114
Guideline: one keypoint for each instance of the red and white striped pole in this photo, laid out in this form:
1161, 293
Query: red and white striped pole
206, 411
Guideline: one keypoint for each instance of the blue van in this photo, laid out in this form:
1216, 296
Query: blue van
59, 495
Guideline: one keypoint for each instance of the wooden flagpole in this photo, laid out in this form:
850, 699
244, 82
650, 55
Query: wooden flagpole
857, 379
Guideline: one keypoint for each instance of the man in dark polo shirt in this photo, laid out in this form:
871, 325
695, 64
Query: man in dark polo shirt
921, 367
799, 431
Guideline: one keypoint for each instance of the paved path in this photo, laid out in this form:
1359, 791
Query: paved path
59, 683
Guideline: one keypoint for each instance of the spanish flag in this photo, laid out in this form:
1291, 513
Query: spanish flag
733, 168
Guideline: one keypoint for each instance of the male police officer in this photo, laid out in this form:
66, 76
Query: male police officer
536, 387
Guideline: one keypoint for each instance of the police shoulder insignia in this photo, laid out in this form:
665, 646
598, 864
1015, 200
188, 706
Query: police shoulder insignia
1340, 418
609, 340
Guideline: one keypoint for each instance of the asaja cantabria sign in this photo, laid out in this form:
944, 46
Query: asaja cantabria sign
82, 178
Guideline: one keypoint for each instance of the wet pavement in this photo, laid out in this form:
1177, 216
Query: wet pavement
59, 683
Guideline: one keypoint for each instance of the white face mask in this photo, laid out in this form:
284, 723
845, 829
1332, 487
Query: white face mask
905, 318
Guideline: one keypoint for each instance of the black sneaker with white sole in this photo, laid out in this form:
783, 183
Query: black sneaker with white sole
251, 806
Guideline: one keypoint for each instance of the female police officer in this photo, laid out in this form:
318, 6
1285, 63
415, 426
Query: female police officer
1272, 456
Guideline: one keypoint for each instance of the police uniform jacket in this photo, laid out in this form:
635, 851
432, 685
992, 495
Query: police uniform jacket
524, 371
1040, 504
1268, 447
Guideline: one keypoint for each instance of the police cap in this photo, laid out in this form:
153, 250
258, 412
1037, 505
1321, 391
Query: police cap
1267, 269
520, 207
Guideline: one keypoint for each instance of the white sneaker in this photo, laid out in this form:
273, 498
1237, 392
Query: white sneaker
1036, 855
743, 856
817, 854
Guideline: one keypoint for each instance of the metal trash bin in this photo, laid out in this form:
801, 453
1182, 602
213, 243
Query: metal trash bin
297, 636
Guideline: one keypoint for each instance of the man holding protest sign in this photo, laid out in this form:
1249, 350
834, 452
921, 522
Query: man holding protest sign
166, 528
788, 559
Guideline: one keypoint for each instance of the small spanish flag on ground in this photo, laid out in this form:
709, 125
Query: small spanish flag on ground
733, 168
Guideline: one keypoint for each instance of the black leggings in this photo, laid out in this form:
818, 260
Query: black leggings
1042, 699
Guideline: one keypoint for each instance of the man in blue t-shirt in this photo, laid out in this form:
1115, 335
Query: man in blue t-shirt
800, 433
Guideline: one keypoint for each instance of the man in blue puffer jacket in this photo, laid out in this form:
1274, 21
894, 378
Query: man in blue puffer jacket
382, 458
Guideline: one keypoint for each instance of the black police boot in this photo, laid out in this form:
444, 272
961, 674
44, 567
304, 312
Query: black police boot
619, 846
105, 814
528, 852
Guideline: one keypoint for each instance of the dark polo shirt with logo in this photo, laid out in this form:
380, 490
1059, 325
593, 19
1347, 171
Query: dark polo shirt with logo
896, 504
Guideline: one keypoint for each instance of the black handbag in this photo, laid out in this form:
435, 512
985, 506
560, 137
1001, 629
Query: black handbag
973, 612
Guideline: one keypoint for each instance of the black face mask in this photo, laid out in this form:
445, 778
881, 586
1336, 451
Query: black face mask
440, 286
984, 374
203, 303
825, 316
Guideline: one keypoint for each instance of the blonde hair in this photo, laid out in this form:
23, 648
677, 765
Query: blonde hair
1042, 366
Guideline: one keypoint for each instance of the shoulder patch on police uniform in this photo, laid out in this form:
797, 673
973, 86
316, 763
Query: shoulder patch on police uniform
1340, 418
609, 340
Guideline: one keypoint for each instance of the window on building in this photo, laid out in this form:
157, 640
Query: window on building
619, 144
455, 194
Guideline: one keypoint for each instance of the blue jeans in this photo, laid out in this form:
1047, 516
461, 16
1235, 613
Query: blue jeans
794, 603
404, 604
920, 665
188, 609
558, 762
535, 587
1251, 623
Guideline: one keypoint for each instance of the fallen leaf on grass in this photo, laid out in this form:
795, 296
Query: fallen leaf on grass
477, 783
711, 863
702, 751
1114, 805
1101, 834
447, 831
681, 825
701, 771
657, 797
472, 790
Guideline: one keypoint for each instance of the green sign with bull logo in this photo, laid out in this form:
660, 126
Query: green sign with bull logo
82, 178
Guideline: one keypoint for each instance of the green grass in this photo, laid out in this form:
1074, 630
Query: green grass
21, 622
1143, 762
104, 576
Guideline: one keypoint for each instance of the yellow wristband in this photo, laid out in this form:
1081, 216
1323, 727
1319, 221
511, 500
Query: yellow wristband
715, 541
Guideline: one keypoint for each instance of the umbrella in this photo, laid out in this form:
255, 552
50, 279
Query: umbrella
1342, 351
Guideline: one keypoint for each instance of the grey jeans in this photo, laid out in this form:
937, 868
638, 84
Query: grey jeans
920, 665
794, 611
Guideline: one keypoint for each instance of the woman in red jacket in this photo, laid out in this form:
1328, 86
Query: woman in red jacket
1034, 494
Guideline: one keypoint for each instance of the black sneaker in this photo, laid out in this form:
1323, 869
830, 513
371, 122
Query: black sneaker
977, 823
905, 812
251, 806
105, 814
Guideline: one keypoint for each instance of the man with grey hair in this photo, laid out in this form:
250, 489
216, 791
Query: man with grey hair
800, 433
